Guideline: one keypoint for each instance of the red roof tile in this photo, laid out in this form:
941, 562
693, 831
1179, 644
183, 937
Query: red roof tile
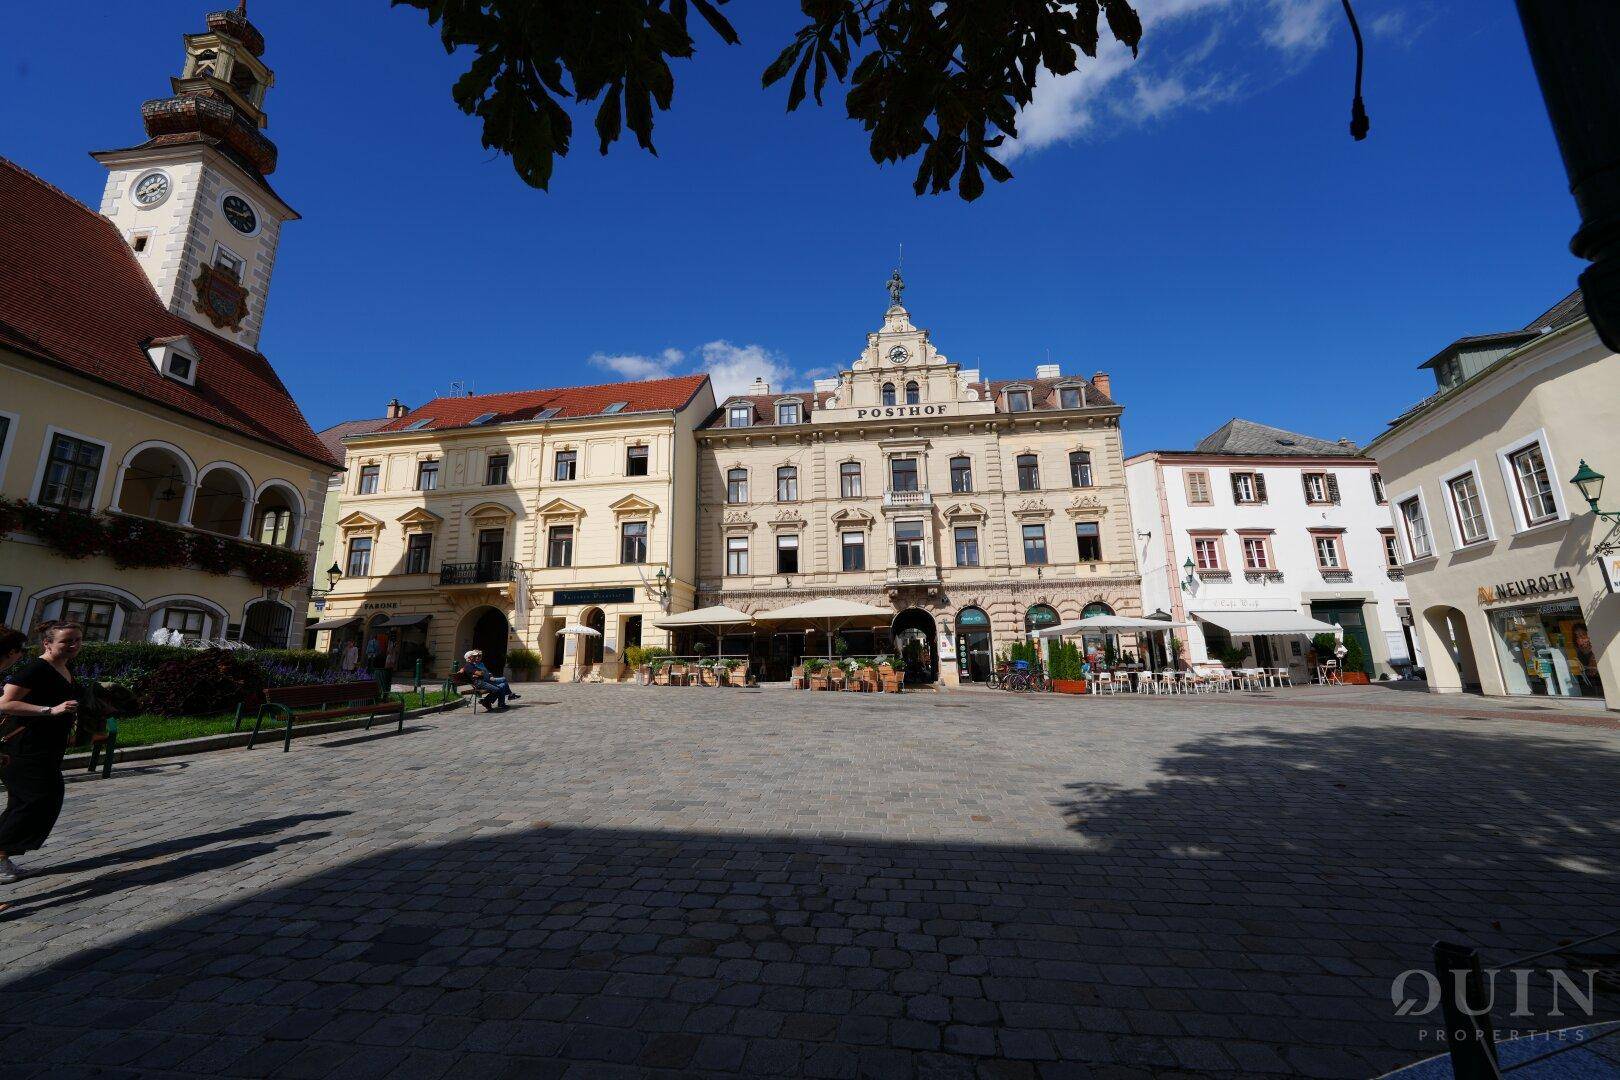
333, 436
1043, 392
71, 293
653, 395
764, 406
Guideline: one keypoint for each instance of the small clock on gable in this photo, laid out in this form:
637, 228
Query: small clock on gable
239, 212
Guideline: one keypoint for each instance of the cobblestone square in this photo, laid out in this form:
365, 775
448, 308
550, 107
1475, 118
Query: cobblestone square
627, 881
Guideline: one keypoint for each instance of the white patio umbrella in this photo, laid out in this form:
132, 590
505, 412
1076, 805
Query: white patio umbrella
575, 628
827, 613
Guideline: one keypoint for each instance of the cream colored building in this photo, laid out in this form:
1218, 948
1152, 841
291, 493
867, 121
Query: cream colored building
973, 510
495, 520
1500, 550
130, 389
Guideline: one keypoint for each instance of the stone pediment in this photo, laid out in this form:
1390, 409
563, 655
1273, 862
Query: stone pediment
490, 509
1031, 509
359, 521
561, 508
737, 519
965, 510
787, 519
1087, 506
853, 516
633, 505
419, 515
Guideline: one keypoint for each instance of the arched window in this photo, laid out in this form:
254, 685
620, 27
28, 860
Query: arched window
1080, 468
222, 501
888, 393
1040, 617
913, 393
1096, 607
1029, 472
155, 482
737, 486
276, 516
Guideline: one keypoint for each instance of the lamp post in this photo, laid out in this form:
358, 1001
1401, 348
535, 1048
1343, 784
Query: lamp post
1187, 575
1590, 481
333, 572
1572, 46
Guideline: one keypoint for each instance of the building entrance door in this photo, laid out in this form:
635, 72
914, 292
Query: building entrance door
973, 653
914, 641
1348, 617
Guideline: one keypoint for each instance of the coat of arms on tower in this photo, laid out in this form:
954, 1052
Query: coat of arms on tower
221, 297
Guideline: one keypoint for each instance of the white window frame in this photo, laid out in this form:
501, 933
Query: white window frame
1391, 543
1219, 542
1268, 559
844, 546
1510, 478
789, 541
1399, 502
8, 439
858, 488
795, 410
734, 548
51, 432
1341, 559
747, 412
221, 249
1451, 510
1187, 487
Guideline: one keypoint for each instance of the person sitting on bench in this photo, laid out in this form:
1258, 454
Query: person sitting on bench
494, 688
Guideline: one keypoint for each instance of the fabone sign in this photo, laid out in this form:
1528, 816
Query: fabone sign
901, 412
1544, 585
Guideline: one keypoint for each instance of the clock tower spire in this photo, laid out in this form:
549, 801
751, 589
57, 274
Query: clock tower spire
193, 199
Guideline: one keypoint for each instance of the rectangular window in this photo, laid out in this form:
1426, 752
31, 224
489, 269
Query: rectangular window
1248, 488
1256, 553
1535, 489
95, 616
1088, 538
1392, 553
854, 551
496, 471
71, 472
369, 475
636, 460
737, 486
228, 261
1469, 508
849, 479
185, 620
961, 475
7, 598
967, 545
787, 484
1417, 528
427, 475
740, 416
1079, 468
1315, 487
787, 412
633, 542
1069, 397
491, 547
418, 550
1328, 555
1198, 489
359, 557
1035, 545
560, 545
566, 465
1207, 552
1029, 472
903, 474
1018, 401
736, 555
787, 553
908, 543
1378, 489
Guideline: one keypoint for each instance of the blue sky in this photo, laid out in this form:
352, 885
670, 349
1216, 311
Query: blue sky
1196, 222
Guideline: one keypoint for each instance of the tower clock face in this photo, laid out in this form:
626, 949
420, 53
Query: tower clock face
897, 355
151, 189
240, 214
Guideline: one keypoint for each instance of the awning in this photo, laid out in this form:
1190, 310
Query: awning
1106, 624
1266, 622
826, 608
708, 616
404, 620
332, 624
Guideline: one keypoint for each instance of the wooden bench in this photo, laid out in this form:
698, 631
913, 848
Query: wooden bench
329, 701
459, 685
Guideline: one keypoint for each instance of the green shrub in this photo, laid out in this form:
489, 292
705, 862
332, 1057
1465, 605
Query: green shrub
1324, 644
310, 659
812, 666
526, 660
1354, 658
125, 661
640, 656
201, 684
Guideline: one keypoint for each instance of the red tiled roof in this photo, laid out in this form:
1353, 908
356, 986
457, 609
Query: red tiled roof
71, 293
765, 406
333, 436
654, 395
1043, 392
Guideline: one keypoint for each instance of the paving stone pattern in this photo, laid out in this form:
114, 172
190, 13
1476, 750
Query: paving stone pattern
625, 881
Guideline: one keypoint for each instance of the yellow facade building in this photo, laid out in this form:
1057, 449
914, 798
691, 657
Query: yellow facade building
155, 472
494, 521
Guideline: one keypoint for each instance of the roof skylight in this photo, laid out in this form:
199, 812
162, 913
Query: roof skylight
617, 406
418, 425
483, 418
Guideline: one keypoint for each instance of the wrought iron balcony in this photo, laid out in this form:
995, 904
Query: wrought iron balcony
1258, 577
909, 500
477, 573
1337, 576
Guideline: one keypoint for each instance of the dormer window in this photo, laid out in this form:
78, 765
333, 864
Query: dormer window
1071, 397
788, 412
174, 358
1448, 374
1018, 401
739, 416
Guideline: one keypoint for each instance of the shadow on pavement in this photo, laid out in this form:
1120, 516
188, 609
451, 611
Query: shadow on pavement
1241, 914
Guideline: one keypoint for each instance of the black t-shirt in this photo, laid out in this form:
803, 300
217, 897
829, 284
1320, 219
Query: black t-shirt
43, 736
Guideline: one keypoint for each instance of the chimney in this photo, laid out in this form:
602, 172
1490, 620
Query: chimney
1048, 371
1102, 383
395, 409
760, 386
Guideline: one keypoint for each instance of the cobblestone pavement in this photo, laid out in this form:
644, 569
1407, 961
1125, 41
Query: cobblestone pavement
626, 881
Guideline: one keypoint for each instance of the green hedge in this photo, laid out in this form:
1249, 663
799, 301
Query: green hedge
127, 661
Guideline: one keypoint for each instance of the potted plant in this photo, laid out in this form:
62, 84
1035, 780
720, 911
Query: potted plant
525, 663
1354, 664
815, 671
1175, 652
1066, 668
655, 670
722, 671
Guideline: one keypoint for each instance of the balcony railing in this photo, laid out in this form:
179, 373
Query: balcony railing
899, 577
908, 499
477, 573
1257, 577
1337, 575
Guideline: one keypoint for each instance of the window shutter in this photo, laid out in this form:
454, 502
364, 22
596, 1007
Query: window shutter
1237, 492
1305, 482
1333, 489
1259, 488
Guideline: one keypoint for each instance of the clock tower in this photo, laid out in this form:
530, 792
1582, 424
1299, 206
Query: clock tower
193, 200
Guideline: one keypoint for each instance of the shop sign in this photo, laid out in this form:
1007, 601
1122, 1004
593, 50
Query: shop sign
1518, 590
379, 605
972, 617
568, 597
901, 412
1611, 569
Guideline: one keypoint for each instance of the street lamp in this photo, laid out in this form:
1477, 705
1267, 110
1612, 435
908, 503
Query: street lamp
660, 589
332, 574
1590, 481
1187, 571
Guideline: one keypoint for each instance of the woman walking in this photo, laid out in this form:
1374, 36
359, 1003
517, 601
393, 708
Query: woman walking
42, 697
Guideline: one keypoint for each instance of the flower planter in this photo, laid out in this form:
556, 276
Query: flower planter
819, 682
1356, 678
1069, 686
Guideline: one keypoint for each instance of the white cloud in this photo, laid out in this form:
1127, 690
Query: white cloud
733, 368
1175, 72
1389, 24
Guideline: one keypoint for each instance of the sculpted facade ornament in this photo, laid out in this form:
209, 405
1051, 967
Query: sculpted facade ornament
1087, 506
1032, 508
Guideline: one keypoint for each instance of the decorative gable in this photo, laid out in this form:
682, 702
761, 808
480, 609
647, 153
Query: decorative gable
853, 517
959, 511
1087, 506
359, 522
561, 508
420, 516
1032, 510
633, 506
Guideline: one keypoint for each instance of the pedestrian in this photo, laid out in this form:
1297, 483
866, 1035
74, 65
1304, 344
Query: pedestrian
44, 696
385, 685
494, 688
351, 656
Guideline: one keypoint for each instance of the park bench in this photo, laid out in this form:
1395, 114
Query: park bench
460, 685
329, 701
